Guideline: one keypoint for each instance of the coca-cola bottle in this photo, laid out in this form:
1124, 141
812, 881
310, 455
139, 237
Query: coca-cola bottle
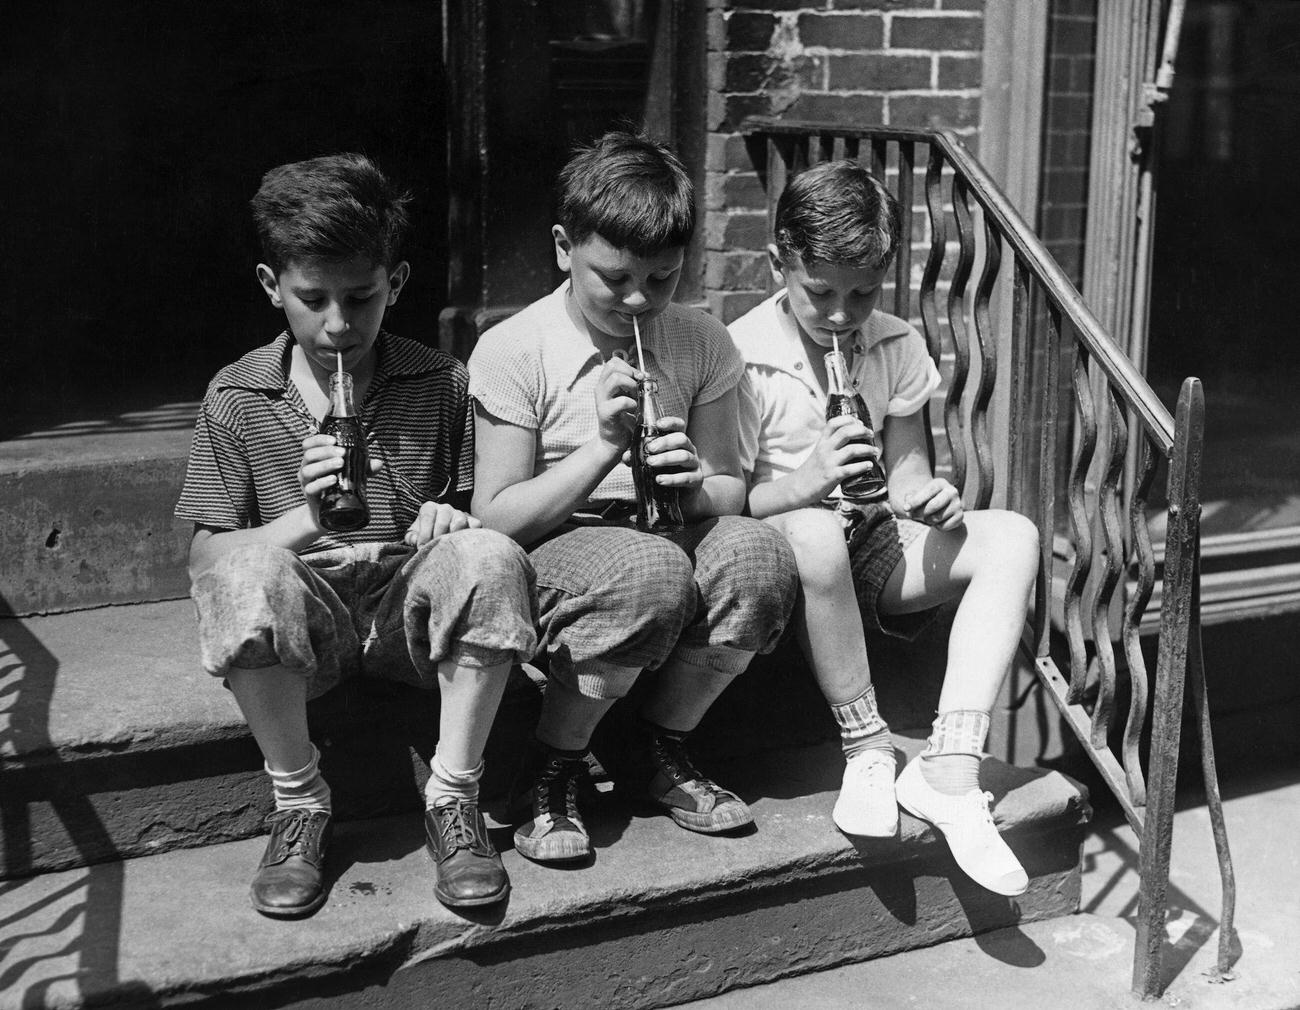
343, 506
658, 508
844, 401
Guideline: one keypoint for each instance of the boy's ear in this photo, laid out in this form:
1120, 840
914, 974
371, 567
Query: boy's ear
563, 248
396, 279
774, 261
270, 284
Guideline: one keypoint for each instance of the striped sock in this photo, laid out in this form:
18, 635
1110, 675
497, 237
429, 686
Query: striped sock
861, 728
950, 763
305, 789
447, 784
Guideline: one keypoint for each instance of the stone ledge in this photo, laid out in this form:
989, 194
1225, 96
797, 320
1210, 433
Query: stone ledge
660, 916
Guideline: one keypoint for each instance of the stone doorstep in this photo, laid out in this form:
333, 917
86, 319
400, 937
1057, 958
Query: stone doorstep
114, 744
659, 917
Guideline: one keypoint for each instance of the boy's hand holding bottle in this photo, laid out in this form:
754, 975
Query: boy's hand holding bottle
673, 457
845, 450
322, 461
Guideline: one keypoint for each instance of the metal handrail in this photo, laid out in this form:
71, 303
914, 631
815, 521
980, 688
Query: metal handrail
1094, 489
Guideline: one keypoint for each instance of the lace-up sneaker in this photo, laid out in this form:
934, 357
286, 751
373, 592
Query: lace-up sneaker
693, 801
469, 871
866, 805
967, 826
290, 878
553, 831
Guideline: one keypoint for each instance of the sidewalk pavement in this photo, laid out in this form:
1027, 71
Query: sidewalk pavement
1085, 962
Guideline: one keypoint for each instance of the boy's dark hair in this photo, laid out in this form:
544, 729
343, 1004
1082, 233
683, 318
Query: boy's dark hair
331, 209
631, 191
838, 212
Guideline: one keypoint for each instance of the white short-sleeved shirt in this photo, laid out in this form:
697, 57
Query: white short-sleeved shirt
539, 371
782, 409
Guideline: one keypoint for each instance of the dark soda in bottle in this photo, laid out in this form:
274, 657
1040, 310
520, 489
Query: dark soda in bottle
844, 401
343, 506
658, 508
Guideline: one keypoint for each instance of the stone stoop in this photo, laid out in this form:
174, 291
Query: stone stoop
661, 916
87, 510
114, 744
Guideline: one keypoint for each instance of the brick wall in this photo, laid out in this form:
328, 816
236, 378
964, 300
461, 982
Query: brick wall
892, 62
1067, 125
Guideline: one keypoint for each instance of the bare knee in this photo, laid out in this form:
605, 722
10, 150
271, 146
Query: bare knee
1007, 537
817, 540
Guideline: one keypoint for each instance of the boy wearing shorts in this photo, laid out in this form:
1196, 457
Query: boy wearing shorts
554, 390
421, 594
886, 563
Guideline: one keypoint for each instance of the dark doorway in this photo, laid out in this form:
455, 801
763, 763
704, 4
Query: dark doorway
135, 134
1226, 258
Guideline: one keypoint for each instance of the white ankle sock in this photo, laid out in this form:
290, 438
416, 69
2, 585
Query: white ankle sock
861, 728
446, 783
305, 789
950, 762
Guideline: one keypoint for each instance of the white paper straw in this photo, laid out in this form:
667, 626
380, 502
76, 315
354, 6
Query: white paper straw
636, 332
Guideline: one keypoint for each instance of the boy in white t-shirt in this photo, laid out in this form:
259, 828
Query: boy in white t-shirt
554, 389
887, 563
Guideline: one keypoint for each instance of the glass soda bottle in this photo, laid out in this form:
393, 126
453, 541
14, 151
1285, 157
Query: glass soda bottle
844, 401
658, 508
343, 506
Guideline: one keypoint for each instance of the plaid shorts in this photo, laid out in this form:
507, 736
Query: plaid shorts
876, 540
610, 593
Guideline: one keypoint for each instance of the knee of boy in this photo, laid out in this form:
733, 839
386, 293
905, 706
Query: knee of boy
1020, 534
484, 557
763, 571
816, 538
250, 567
658, 581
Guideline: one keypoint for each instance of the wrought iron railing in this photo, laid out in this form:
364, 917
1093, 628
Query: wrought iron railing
1104, 415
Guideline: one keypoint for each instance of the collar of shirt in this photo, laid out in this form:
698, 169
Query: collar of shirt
573, 351
267, 368
784, 351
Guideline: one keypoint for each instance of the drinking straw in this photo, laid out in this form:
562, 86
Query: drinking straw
636, 332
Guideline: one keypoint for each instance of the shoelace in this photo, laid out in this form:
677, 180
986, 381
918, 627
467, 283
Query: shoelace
560, 778
456, 831
294, 838
670, 754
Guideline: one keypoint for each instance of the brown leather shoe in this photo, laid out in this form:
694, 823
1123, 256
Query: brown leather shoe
469, 871
290, 879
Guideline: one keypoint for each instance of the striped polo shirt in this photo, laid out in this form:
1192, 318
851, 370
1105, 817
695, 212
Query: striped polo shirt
537, 370
247, 448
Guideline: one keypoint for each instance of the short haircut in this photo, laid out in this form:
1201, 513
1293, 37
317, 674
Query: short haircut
330, 209
631, 191
838, 212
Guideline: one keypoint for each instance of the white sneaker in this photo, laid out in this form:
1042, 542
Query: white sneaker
866, 804
968, 827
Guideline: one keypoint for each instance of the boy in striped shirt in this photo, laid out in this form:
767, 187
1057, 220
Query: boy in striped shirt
422, 594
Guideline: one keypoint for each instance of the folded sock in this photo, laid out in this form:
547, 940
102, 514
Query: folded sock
447, 784
305, 789
861, 727
950, 763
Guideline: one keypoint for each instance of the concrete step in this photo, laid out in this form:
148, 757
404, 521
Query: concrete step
661, 916
87, 512
114, 744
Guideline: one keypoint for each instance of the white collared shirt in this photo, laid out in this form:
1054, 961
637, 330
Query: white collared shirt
537, 370
782, 407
